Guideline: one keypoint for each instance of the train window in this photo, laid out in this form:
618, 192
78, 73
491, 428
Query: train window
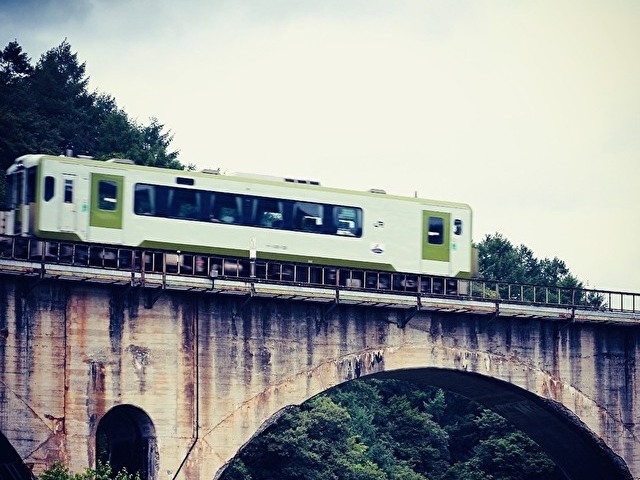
307, 217
201, 205
68, 190
144, 200
348, 221
11, 193
435, 234
19, 188
31, 185
457, 226
107, 195
268, 213
49, 187
227, 208
184, 203
161, 195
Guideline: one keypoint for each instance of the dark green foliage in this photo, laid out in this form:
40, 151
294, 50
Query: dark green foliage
17, 107
312, 443
503, 453
501, 261
58, 471
47, 108
391, 430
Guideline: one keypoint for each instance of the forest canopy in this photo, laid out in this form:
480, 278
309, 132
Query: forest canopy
47, 107
391, 430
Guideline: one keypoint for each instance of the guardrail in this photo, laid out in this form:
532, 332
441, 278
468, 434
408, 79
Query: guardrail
141, 262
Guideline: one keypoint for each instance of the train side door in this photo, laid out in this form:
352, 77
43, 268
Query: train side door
68, 209
436, 232
106, 207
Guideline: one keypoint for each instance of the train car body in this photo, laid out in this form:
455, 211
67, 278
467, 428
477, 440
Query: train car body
116, 202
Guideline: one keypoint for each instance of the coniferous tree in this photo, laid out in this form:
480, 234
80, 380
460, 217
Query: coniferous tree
391, 430
64, 103
501, 261
49, 109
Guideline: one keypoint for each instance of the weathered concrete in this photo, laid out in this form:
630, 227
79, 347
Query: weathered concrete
210, 371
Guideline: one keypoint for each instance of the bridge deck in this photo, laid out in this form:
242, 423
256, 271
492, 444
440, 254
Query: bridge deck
160, 270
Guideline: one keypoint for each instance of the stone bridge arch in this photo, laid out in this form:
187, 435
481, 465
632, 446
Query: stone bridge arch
578, 452
126, 439
11, 465
523, 370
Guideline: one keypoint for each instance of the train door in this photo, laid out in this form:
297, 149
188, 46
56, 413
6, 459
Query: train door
436, 248
106, 207
68, 213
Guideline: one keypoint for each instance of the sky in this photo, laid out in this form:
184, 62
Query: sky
529, 111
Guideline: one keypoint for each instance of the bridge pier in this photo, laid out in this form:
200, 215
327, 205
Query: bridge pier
201, 373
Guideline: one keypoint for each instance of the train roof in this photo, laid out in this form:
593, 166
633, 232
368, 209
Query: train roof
30, 160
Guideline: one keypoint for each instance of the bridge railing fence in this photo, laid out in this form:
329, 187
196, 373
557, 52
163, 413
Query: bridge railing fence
149, 261
588, 299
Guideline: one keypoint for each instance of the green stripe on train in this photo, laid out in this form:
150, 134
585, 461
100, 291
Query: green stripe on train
280, 257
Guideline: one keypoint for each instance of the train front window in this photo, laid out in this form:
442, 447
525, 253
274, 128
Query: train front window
435, 234
19, 188
107, 195
49, 187
31, 185
11, 193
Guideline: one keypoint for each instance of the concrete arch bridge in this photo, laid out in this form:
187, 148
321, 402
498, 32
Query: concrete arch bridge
173, 379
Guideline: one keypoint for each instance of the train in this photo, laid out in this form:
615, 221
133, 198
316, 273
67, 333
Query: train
116, 202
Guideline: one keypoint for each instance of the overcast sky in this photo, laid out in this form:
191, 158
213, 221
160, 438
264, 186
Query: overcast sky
529, 111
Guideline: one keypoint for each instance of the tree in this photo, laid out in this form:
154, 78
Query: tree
391, 430
312, 442
59, 471
59, 112
16, 107
504, 454
49, 108
154, 144
500, 261
59, 82
15, 65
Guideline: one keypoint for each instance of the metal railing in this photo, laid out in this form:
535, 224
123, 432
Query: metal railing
142, 261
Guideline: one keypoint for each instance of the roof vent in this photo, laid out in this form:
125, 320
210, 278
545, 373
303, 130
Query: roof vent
304, 182
377, 190
211, 171
124, 161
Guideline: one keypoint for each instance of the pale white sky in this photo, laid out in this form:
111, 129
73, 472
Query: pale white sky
527, 110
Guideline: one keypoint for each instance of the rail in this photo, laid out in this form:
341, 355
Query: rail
144, 261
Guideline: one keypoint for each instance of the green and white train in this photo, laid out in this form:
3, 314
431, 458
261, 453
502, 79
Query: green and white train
115, 202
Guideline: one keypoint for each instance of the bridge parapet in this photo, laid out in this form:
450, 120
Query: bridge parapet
157, 270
